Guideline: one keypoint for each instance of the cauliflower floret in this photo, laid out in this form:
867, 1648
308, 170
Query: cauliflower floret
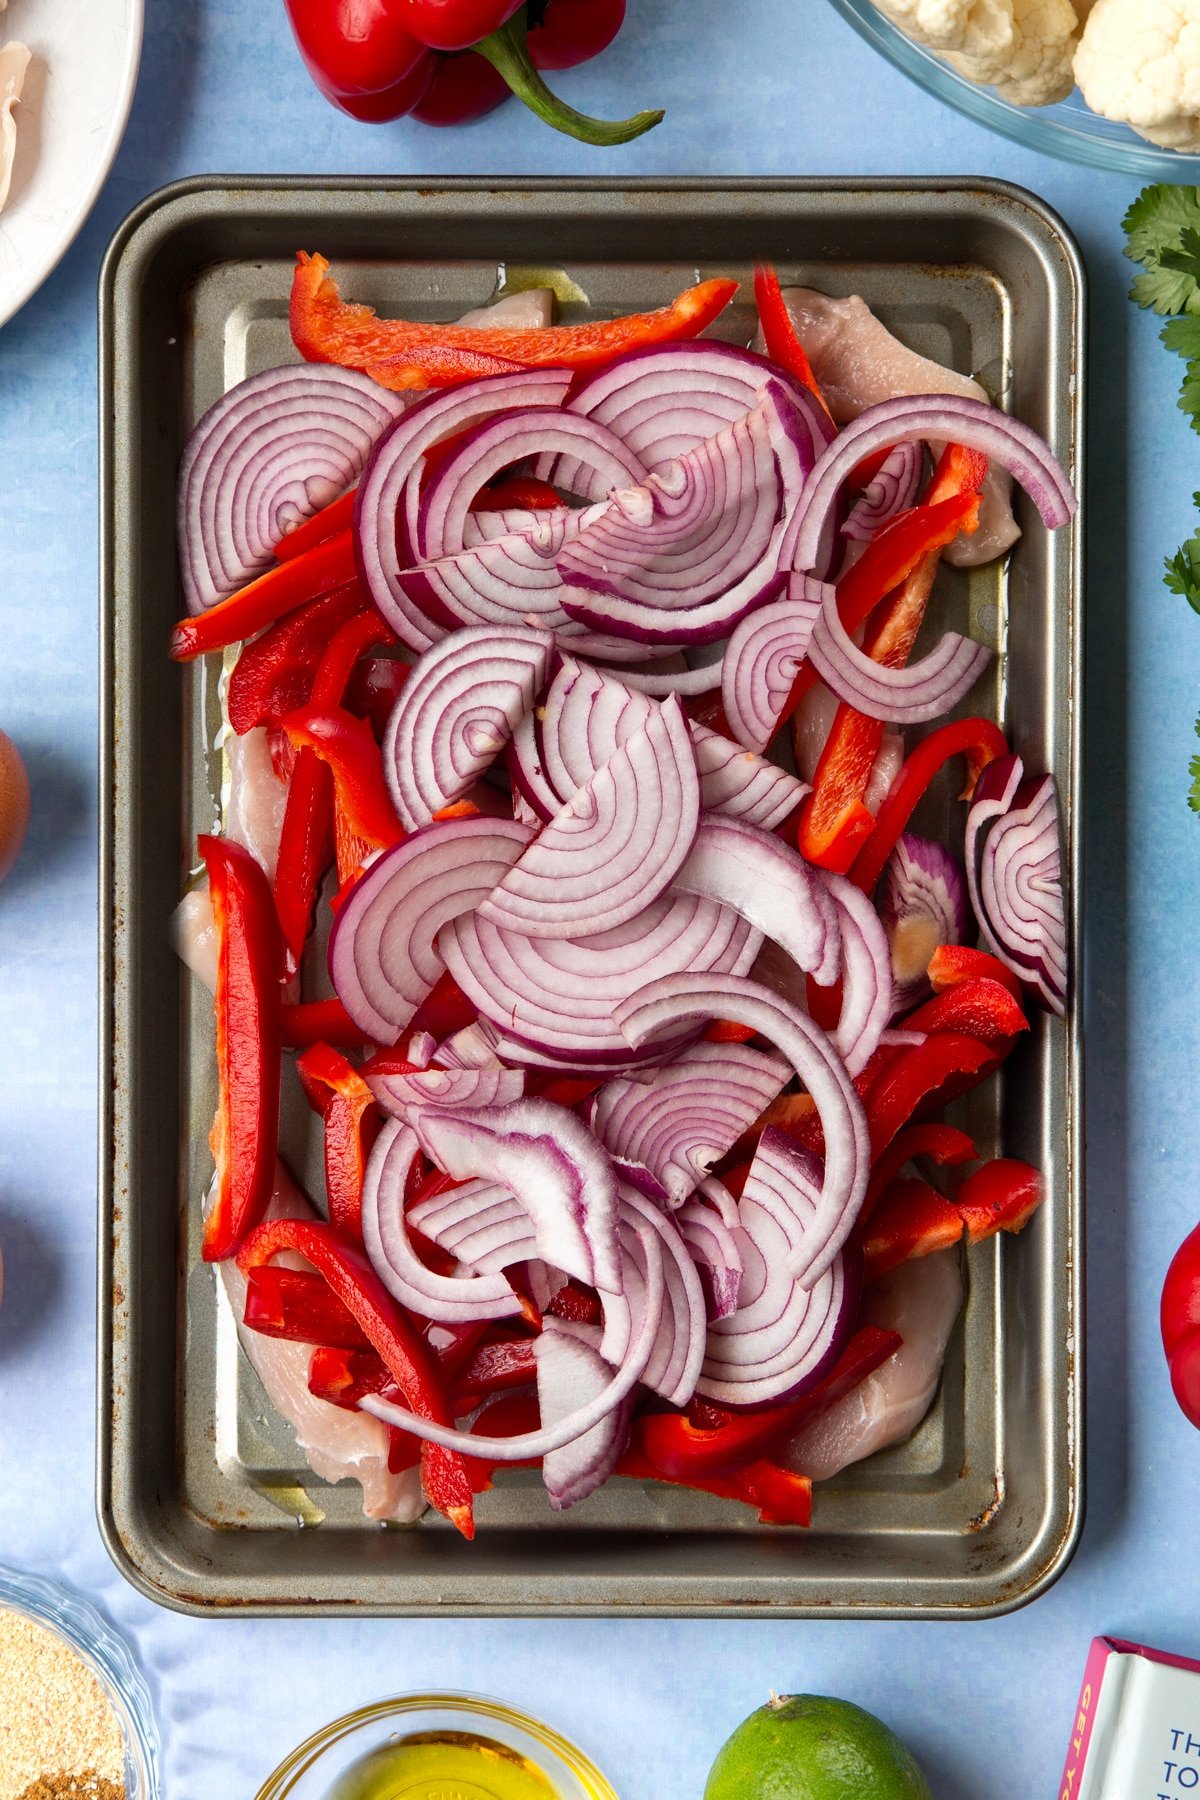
1036, 67
945, 25
1139, 62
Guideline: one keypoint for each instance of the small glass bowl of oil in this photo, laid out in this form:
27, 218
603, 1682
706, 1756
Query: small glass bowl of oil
437, 1747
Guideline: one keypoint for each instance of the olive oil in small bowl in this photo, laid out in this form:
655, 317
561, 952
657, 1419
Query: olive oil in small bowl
437, 1747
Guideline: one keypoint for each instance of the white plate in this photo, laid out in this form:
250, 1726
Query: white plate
69, 125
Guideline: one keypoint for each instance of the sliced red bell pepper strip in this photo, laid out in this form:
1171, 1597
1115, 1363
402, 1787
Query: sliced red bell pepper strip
344, 1377
746, 1485
281, 590
338, 516
680, 1449
346, 1269
1001, 1196
444, 1010
245, 1133
520, 492
400, 354
351, 1128
728, 1031
319, 1022
493, 1369
912, 1219
944, 1066
952, 964
941, 1143
564, 1090
292, 1304
275, 673
981, 1008
1179, 1322
797, 1113
779, 333
977, 739
350, 750
576, 1303
512, 1415
352, 639
305, 848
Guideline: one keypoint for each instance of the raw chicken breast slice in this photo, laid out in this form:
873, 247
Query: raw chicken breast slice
859, 363
257, 798
532, 310
194, 935
921, 1300
339, 1445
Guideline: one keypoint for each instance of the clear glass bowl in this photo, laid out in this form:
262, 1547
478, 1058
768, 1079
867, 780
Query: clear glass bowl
69, 1616
310, 1771
1070, 129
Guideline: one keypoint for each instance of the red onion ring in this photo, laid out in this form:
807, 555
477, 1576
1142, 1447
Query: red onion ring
866, 975
910, 695
743, 867
714, 1250
1014, 871
742, 785
674, 1365
571, 1374
923, 903
762, 659
893, 488
399, 1095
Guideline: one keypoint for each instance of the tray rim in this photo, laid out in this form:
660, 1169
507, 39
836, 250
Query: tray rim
152, 219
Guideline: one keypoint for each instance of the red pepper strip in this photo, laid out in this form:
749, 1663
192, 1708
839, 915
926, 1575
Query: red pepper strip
374, 688
344, 1377
275, 673
354, 1281
389, 1062
342, 651
978, 739
780, 335
292, 1304
564, 1090
444, 1010
281, 590
350, 750
943, 1144
797, 1113
728, 1031
890, 558
679, 1448
513, 1415
400, 354
981, 1008
493, 1369
1179, 1321
464, 1341
245, 1133
521, 493
1001, 1196
774, 1508
575, 1303
948, 1060
350, 1130
319, 1022
304, 851
912, 1219
337, 516
951, 964
836, 821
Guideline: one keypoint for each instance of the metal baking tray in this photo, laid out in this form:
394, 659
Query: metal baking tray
204, 1501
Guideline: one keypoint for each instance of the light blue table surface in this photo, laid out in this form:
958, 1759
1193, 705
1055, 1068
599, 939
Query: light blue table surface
767, 87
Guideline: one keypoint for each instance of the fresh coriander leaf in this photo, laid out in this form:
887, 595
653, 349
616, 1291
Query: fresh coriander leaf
1165, 291
1157, 219
1187, 258
1194, 772
1183, 336
1182, 572
1189, 395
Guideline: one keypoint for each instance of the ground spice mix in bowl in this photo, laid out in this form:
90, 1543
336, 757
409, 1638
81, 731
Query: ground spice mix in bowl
75, 1715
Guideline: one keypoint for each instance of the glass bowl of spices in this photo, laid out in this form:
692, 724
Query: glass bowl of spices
437, 1747
76, 1721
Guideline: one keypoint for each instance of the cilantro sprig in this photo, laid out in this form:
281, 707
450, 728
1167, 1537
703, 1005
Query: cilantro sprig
1194, 772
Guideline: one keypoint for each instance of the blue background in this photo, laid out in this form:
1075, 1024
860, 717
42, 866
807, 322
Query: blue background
767, 87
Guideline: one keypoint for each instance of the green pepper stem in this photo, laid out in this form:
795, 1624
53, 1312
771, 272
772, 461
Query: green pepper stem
508, 51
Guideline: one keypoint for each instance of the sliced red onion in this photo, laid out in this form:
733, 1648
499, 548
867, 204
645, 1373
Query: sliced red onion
677, 999
715, 1251
666, 401
704, 679
674, 1364
557, 995
571, 1374
420, 1050
923, 903
449, 1298
910, 695
380, 545
584, 720
689, 1114
893, 488
742, 785
466, 1049
1015, 873
480, 1222
533, 1444
615, 846
721, 1200
762, 660
455, 714
885, 771
866, 975
744, 867
271, 452
382, 955
400, 1095
681, 559
951, 418
549, 1159
496, 444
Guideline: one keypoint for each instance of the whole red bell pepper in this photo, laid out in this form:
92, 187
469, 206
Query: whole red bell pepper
1179, 1318
351, 1127
982, 1008
912, 1219
400, 354
361, 55
245, 1133
952, 964
465, 87
292, 1304
977, 739
351, 1277
323, 569
1003, 1195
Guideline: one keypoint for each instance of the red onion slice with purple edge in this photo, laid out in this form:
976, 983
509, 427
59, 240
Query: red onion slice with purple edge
399, 1095
1014, 869
269, 454
674, 1365
714, 1250
689, 1114
866, 974
742, 785
762, 660
678, 999
923, 903
893, 488
771, 885
911, 695
456, 712
382, 955
616, 844
571, 1374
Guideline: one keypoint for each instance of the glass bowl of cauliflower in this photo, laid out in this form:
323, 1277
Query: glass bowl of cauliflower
1113, 83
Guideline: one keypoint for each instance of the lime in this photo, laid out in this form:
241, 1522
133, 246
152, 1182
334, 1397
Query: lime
808, 1747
